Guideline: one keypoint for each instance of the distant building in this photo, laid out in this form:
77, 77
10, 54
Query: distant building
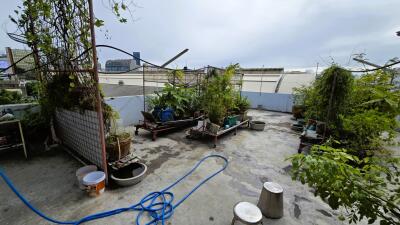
120, 65
136, 57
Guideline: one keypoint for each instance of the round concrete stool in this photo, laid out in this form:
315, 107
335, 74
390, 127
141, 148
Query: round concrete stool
271, 200
246, 213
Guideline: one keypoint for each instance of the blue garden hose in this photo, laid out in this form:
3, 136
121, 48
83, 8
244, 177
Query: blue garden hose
159, 205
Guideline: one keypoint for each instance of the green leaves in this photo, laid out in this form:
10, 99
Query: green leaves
344, 180
99, 23
361, 109
219, 96
184, 101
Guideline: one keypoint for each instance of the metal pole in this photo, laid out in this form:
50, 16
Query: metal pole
144, 92
262, 75
11, 60
98, 97
175, 57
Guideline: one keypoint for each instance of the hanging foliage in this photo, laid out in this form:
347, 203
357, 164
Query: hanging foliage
329, 97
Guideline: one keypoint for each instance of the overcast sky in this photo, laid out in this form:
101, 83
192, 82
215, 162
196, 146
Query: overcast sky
289, 33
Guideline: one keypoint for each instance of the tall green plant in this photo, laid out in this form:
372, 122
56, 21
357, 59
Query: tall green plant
329, 97
218, 96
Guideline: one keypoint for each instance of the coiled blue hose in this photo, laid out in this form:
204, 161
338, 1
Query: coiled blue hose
159, 205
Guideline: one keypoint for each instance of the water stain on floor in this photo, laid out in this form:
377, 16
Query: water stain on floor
156, 163
297, 210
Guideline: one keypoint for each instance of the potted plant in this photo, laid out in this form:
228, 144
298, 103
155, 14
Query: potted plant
216, 114
218, 96
118, 145
298, 108
118, 142
242, 106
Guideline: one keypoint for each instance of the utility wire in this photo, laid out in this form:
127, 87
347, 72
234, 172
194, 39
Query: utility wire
87, 50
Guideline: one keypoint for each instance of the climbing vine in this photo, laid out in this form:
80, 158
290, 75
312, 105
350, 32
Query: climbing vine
58, 32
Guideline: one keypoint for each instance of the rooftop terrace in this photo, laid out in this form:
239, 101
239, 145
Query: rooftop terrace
48, 179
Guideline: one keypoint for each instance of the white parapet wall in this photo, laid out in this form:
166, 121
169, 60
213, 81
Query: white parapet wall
270, 101
128, 107
20, 109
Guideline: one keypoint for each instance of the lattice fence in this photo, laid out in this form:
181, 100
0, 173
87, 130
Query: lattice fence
79, 131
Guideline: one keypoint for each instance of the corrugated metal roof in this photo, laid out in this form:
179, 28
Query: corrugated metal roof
292, 80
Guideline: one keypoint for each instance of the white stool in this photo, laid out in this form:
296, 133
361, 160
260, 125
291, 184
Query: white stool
271, 200
246, 213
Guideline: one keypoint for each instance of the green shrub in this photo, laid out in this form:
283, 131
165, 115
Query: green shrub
183, 100
10, 97
241, 103
366, 188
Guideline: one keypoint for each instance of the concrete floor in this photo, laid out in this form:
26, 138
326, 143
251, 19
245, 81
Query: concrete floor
48, 180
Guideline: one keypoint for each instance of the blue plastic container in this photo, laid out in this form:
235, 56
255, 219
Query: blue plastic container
167, 115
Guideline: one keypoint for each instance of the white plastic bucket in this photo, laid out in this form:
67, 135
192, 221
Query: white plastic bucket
95, 182
81, 172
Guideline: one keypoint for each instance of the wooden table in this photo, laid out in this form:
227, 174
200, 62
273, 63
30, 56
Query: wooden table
219, 133
21, 137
